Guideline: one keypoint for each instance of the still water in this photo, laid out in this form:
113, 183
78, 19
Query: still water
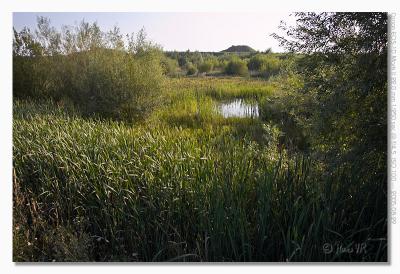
238, 108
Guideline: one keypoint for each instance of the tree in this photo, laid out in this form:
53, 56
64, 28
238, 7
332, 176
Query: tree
344, 33
24, 44
345, 73
93, 69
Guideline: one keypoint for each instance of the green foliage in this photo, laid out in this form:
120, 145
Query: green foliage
188, 184
113, 84
286, 110
237, 67
206, 66
220, 88
24, 44
204, 61
95, 70
122, 193
345, 76
257, 62
336, 32
170, 66
191, 69
265, 64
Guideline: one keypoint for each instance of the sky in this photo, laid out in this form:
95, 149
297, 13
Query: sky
206, 31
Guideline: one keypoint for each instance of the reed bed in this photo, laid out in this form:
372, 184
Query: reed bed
224, 88
98, 190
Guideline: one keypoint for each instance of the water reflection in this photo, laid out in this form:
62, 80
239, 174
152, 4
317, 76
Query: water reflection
238, 108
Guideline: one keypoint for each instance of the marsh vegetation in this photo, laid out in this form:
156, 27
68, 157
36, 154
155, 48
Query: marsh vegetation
123, 152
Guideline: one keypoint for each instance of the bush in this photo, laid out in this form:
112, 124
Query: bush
97, 71
170, 66
25, 80
113, 84
191, 69
206, 66
266, 65
255, 62
237, 67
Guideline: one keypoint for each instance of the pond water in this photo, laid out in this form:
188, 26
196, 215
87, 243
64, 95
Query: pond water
238, 108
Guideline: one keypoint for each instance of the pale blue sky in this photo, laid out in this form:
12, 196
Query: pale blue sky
179, 31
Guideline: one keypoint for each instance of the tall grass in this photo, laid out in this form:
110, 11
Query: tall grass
97, 190
224, 88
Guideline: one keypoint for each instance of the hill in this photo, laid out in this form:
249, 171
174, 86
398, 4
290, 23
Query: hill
241, 48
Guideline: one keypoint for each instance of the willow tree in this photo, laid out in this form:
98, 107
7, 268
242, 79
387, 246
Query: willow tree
100, 72
345, 73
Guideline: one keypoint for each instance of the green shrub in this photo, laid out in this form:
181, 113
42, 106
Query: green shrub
237, 67
170, 66
206, 66
266, 65
95, 70
113, 84
191, 69
255, 62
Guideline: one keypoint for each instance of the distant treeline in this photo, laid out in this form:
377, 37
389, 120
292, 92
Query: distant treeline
241, 63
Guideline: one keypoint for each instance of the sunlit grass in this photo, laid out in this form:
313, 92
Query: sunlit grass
88, 189
224, 88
